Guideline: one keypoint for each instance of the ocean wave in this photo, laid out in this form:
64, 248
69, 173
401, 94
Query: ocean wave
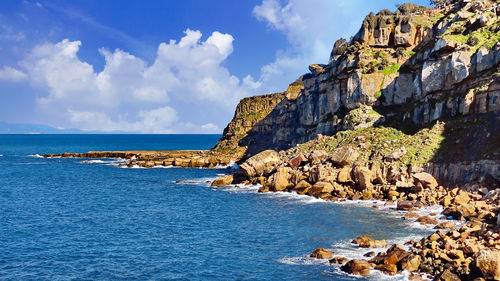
305, 260
36, 156
231, 165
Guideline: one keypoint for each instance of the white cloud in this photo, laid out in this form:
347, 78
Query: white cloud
130, 95
11, 74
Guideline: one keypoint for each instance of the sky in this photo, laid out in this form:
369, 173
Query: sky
160, 66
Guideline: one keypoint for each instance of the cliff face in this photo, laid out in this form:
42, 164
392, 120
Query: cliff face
405, 70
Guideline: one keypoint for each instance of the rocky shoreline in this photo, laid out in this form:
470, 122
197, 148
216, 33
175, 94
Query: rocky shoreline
150, 159
468, 252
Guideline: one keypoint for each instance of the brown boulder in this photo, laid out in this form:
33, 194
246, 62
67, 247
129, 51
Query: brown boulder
317, 174
358, 267
411, 263
261, 164
302, 187
320, 187
297, 161
280, 180
445, 225
427, 220
367, 242
447, 275
344, 156
317, 156
426, 179
339, 260
344, 175
363, 177
488, 263
223, 181
461, 198
411, 216
404, 205
321, 253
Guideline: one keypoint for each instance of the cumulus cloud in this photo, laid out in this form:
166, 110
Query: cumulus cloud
11, 74
131, 95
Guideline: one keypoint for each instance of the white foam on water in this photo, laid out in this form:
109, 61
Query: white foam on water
38, 156
1, 155
231, 165
238, 188
92, 162
305, 260
163, 167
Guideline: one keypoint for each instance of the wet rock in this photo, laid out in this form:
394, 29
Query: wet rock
411, 216
367, 242
426, 179
321, 253
357, 267
223, 181
488, 263
320, 187
369, 254
339, 260
261, 164
404, 205
427, 220
302, 187
344, 156
445, 225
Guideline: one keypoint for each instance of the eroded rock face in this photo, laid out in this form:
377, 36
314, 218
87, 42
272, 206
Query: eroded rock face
261, 164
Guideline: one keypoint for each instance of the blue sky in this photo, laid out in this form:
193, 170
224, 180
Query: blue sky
160, 66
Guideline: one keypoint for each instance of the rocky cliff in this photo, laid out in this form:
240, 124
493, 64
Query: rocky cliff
405, 70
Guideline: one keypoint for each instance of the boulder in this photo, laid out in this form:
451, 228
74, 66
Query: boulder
317, 174
302, 187
411, 263
344, 175
223, 181
320, 187
280, 180
488, 263
447, 275
344, 156
261, 164
396, 154
426, 179
461, 198
357, 267
321, 253
297, 161
404, 205
411, 216
427, 220
363, 177
339, 260
317, 156
445, 225
367, 242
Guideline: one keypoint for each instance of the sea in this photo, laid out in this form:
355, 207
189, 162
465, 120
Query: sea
91, 219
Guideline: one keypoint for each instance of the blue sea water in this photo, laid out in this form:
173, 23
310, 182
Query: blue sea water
71, 219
